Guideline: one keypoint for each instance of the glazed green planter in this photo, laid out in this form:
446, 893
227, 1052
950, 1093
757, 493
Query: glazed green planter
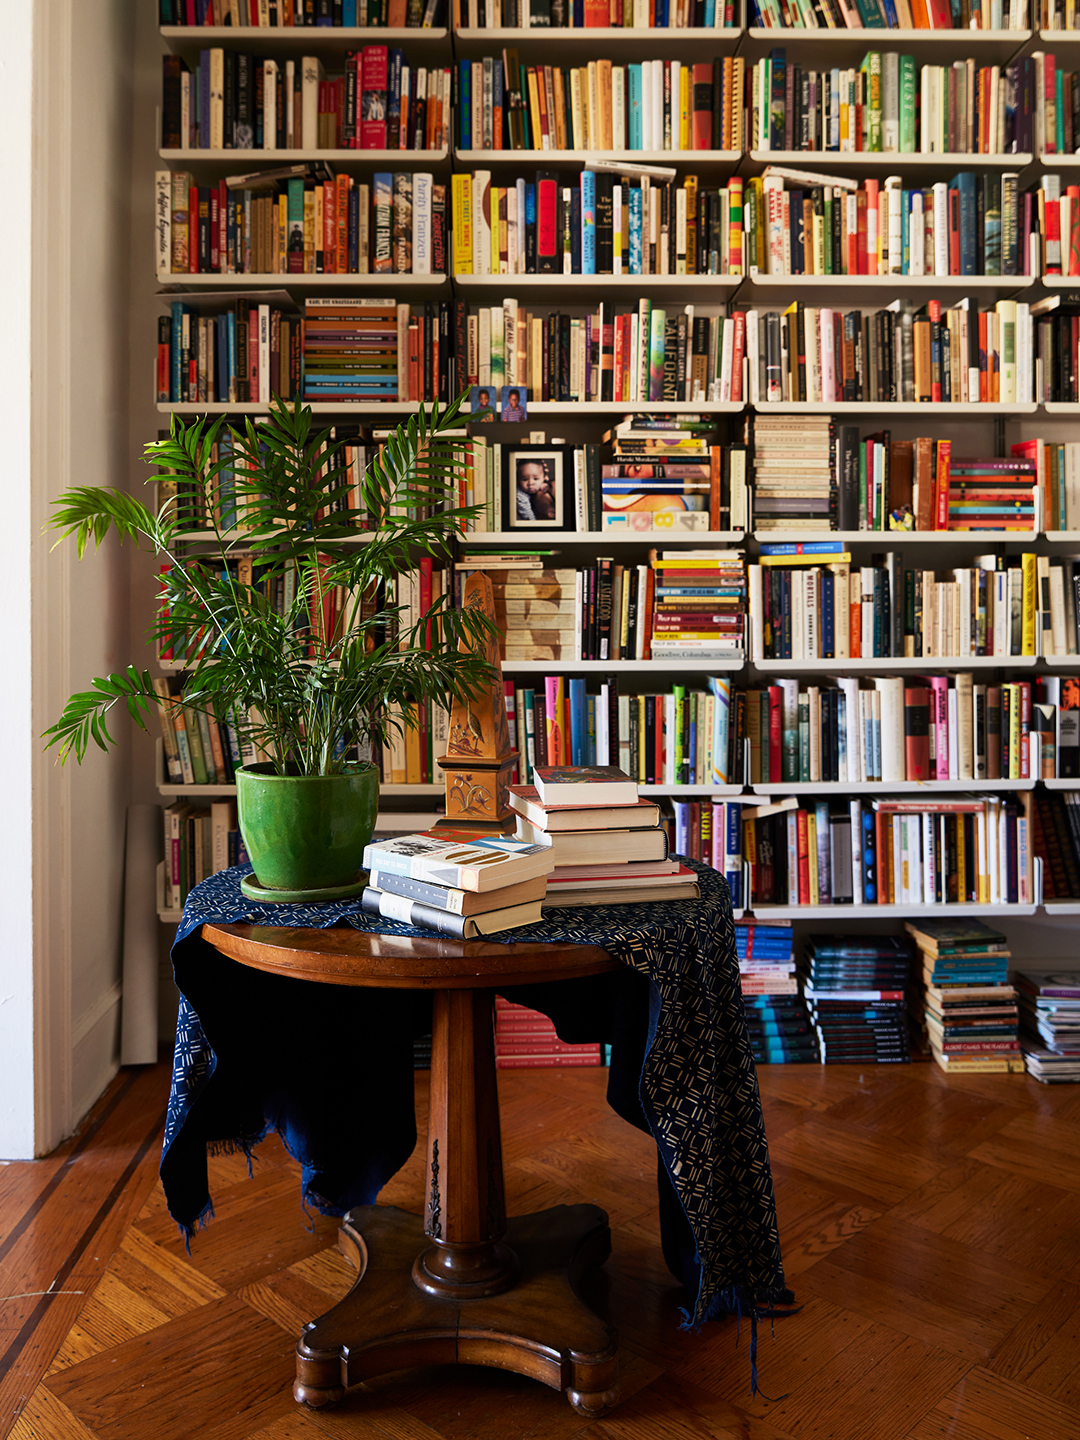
306, 833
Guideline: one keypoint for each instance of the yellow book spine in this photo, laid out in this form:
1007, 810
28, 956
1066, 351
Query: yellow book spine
684, 108
1014, 730
1029, 603
811, 846
461, 198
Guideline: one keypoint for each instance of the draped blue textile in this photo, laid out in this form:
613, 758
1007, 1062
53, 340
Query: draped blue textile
330, 1068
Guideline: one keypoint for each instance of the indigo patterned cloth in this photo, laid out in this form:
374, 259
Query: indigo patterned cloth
330, 1068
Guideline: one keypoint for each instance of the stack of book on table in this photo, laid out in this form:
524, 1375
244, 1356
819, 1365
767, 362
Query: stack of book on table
459, 884
607, 846
855, 988
776, 1020
1049, 1022
970, 1015
526, 1040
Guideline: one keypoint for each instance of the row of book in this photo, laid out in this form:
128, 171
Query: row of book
837, 611
1055, 826
301, 224
674, 105
199, 841
604, 220
855, 989
890, 14
777, 1023
234, 100
527, 1040
287, 14
939, 727
973, 224
593, 14
954, 354
963, 1005
889, 104
973, 849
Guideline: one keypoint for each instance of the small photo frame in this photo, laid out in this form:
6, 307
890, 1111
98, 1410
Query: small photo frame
484, 403
514, 404
536, 489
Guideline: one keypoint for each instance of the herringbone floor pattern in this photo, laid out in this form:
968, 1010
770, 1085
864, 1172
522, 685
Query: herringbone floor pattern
931, 1228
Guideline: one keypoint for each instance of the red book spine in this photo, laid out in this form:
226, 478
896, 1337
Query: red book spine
803, 833
702, 82
954, 232
738, 352
253, 353
373, 97
547, 205
944, 466
882, 835
542, 1062
917, 733
193, 230
329, 244
1025, 729
776, 734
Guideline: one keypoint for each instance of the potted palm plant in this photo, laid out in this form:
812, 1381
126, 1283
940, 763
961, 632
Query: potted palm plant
304, 649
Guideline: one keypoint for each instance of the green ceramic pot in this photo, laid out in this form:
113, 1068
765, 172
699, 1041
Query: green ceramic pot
306, 833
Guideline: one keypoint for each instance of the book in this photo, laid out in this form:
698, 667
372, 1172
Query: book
477, 863
584, 784
444, 922
525, 799
570, 846
456, 901
632, 894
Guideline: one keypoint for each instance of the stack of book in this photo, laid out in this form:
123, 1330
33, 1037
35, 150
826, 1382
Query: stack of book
970, 1015
456, 883
776, 1020
856, 990
350, 349
794, 472
534, 607
660, 464
526, 1040
1049, 1022
699, 604
576, 812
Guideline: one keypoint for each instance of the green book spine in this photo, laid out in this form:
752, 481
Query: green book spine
804, 737
198, 762
907, 104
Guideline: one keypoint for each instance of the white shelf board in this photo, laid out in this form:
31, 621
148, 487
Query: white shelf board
596, 37
481, 159
1062, 537
197, 790
305, 36
725, 792
955, 409
1062, 662
890, 664
350, 280
1061, 907
821, 161
563, 286
890, 787
1061, 407
528, 539
1061, 282
1058, 783
1058, 37
170, 917
623, 407
900, 284
385, 788
317, 407
886, 912
245, 161
1000, 42
892, 537
1059, 162
661, 665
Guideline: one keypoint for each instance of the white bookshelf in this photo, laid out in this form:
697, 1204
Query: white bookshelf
889, 538
178, 280
242, 161
823, 161
882, 664
663, 665
686, 159
590, 286
890, 787
883, 409
887, 911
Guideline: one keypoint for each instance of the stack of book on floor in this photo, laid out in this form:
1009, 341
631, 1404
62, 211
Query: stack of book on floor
526, 1040
969, 1008
1049, 1022
606, 845
457, 883
776, 1019
855, 989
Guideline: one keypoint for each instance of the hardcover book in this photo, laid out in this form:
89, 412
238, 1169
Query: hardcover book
468, 862
584, 785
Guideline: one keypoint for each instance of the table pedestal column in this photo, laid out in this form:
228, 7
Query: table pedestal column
483, 1291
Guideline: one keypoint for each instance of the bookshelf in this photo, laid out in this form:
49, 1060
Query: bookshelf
981, 426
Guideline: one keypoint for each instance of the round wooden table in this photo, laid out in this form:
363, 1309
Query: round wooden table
483, 1290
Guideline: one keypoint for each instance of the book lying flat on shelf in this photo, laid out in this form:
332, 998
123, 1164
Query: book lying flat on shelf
468, 862
525, 799
584, 784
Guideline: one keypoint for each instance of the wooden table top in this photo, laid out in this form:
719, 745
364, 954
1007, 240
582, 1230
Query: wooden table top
344, 956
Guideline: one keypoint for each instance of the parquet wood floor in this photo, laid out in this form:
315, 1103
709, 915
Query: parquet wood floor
931, 1229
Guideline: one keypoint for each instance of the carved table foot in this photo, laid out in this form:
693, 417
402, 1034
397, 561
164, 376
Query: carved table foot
540, 1328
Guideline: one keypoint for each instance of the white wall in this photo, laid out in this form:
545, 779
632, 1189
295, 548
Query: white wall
65, 125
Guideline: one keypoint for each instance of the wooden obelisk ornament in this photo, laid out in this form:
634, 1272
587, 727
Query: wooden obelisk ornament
479, 762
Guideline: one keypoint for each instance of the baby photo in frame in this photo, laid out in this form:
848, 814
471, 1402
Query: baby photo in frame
536, 488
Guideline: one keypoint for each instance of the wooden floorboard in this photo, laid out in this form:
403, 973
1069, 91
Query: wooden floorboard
930, 1227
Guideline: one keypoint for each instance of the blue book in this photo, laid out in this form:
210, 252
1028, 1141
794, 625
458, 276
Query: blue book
576, 685
805, 547
497, 100
682, 826
231, 344
395, 61
893, 22
634, 87
348, 13
530, 227
710, 14
465, 103
635, 241
828, 614
965, 184
905, 231
733, 847
575, 230
588, 222
176, 341
720, 686
354, 229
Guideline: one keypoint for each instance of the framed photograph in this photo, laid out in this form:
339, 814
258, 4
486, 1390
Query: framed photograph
535, 492
514, 404
483, 403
